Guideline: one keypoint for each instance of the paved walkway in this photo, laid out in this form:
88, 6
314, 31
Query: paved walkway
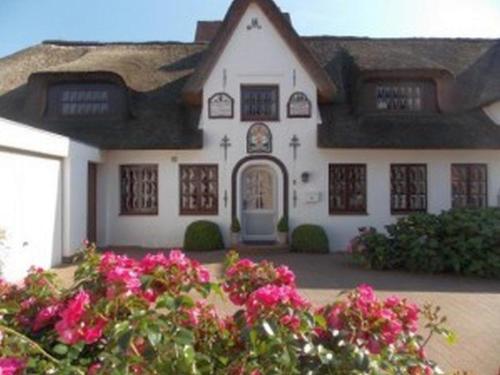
472, 305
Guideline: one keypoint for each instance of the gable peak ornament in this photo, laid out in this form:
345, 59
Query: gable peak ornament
254, 24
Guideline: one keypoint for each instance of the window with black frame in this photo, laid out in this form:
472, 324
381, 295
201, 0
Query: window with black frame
259, 103
469, 185
85, 100
347, 189
408, 188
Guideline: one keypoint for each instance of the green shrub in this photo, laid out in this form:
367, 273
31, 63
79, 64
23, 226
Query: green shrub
461, 241
203, 236
283, 225
373, 250
235, 225
309, 239
416, 244
471, 241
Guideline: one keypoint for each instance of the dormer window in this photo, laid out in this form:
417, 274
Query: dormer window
403, 97
398, 95
78, 102
85, 100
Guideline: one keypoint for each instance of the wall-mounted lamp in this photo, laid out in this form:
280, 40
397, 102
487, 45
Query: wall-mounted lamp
305, 177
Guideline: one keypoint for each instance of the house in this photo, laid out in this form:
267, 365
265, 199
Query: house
128, 143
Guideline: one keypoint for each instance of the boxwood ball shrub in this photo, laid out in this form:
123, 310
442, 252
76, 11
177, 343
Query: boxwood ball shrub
203, 236
461, 241
154, 316
309, 239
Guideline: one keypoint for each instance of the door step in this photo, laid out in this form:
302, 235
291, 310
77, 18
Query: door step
258, 247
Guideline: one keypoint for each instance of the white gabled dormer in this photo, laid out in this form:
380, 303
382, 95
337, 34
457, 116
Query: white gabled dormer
257, 46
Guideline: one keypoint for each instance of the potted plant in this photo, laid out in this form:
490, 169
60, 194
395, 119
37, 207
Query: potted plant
235, 232
283, 230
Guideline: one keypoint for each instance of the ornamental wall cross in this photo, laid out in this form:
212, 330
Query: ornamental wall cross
225, 143
295, 143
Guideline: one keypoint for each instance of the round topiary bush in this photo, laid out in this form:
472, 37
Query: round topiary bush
309, 239
203, 236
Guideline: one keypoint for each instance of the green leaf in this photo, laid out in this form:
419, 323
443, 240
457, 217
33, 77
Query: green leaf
184, 337
154, 337
60, 349
165, 302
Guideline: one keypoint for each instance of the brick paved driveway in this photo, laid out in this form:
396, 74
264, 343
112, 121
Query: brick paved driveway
472, 305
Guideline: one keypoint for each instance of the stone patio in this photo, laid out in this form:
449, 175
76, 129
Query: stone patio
472, 305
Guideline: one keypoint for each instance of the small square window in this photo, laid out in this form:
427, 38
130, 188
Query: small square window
408, 188
139, 189
347, 188
199, 189
260, 103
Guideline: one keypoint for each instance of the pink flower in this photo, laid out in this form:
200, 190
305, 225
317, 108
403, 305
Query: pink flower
11, 365
46, 316
285, 276
373, 346
392, 302
202, 273
334, 318
271, 299
150, 295
391, 331
129, 278
76, 307
92, 334
366, 293
290, 321
94, 369
178, 258
150, 262
67, 334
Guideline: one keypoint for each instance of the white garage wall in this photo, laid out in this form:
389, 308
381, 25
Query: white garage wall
43, 195
30, 211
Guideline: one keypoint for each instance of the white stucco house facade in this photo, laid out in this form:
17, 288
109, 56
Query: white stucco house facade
127, 144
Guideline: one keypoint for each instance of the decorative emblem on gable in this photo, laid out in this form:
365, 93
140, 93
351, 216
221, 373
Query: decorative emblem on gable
299, 106
254, 24
259, 139
220, 105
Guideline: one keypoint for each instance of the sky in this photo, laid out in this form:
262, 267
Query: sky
27, 22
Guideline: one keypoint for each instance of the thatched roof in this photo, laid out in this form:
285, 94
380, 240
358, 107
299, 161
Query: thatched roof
466, 130
156, 73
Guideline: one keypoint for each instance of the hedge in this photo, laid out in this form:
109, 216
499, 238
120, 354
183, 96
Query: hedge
461, 241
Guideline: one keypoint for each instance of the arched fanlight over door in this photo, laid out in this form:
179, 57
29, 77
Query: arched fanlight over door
259, 139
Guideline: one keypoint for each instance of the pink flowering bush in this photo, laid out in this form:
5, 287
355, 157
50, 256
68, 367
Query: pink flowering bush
153, 316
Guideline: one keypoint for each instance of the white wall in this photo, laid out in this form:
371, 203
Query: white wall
167, 229
493, 111
43, 195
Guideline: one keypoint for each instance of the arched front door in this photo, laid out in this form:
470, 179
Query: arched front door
259, 206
